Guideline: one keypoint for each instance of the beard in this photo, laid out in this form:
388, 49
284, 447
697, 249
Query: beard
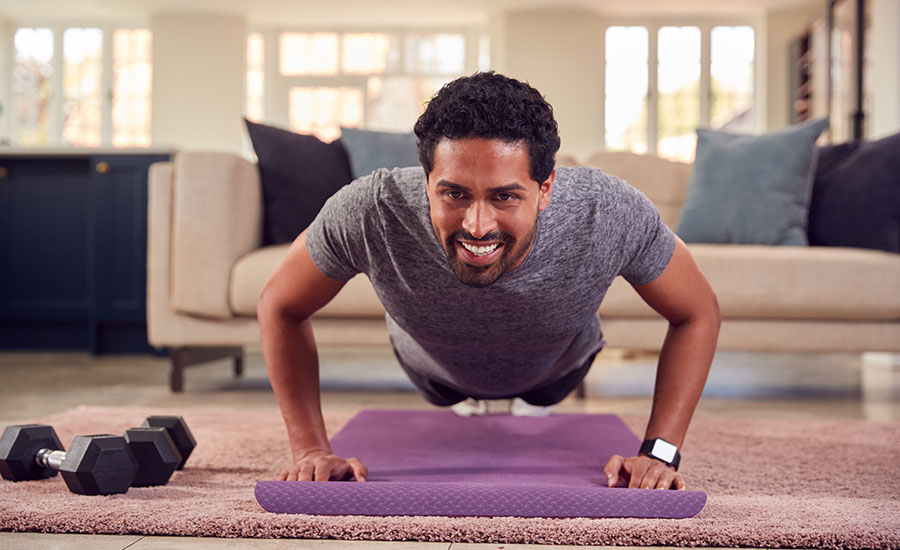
485, 275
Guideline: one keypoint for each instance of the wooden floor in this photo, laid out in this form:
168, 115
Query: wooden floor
786, 386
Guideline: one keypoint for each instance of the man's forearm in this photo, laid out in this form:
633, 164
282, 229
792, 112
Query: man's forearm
292, 363
684, 363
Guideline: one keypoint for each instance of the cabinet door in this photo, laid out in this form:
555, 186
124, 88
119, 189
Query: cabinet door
119, 264
44, 292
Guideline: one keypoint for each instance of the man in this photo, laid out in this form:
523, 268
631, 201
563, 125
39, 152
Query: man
491, 265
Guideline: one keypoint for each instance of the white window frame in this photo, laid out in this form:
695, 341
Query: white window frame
705, 25
276, 87
59, 27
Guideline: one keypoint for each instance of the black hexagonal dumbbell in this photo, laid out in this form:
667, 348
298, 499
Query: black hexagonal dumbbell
156, 455
161, 445
94, 464
179, 432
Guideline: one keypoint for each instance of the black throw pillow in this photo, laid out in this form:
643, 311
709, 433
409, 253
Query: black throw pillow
856, 196
298, 173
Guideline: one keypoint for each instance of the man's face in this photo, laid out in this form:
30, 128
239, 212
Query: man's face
484, 206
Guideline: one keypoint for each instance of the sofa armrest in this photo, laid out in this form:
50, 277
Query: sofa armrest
216, 219
159, 228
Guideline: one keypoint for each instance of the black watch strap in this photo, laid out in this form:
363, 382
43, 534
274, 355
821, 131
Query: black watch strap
661, 450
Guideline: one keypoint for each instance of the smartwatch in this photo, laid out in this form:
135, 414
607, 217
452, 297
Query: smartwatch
661, 450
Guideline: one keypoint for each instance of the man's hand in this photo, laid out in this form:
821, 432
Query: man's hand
642, 472
320, 465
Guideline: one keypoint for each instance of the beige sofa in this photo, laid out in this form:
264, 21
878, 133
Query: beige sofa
206, 269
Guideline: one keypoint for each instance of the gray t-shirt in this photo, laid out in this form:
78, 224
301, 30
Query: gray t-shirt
532, 326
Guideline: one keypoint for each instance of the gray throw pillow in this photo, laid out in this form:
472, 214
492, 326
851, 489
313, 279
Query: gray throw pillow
369, 151
751, 189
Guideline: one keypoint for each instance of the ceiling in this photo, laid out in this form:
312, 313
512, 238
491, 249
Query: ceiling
350, 13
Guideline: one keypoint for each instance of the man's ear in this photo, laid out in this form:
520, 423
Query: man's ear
546, 191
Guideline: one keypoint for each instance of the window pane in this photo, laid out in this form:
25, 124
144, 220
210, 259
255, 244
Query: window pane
32, 86
322, 111
370, 53
626, 89
82, 84
731, 71
678, 86
255, 80
309, 53
435, 53
132, 88
394, 103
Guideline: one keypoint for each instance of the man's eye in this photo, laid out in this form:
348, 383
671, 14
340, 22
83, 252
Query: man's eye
455, 194
504, 197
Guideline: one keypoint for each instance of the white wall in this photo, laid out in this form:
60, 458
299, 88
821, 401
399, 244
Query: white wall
198, 74
559, 52
884, 77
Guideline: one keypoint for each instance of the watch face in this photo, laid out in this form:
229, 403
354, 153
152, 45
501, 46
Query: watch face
663, 450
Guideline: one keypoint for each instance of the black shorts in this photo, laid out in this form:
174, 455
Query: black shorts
551, 394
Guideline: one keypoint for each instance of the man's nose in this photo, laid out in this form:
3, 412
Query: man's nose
479, 220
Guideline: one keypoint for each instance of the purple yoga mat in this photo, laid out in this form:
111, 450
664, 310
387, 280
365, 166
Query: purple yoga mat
435, 463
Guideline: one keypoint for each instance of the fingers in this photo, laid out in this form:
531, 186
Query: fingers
669, 479
613, 467
306, 471
641, 472
653, 474
324, 468
360, 472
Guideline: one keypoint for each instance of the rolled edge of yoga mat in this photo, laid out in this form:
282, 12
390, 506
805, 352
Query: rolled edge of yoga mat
461, 499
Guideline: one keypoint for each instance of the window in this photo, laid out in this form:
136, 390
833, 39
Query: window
322, 110
132, 88
32, 87
82, 86
731, 85
304, 54
678, 92
63, 99
321, 81
660, 88
626, 89
255, 76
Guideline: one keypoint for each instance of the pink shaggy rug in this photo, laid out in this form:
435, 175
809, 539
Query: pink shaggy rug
770, 484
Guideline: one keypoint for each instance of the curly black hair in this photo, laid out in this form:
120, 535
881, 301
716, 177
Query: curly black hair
492, 106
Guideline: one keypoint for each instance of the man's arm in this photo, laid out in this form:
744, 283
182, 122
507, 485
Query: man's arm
682, 295
295, 291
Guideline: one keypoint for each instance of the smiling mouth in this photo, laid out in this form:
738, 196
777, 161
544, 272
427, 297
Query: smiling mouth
480, 250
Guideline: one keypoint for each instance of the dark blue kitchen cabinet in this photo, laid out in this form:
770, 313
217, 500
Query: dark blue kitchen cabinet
73, 248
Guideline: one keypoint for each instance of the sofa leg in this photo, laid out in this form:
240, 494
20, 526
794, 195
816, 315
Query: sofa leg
239, 364
181, 358
176, 374
580, 391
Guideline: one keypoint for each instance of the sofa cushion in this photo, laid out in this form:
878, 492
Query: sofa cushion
369, 151
856, 195
250, 274
216, 219
298, 174
751, 189
770, 282
663, 181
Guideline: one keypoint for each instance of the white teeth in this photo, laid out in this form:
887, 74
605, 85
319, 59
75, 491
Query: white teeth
480, 250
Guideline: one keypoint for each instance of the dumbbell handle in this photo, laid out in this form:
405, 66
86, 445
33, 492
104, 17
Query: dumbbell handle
49, 458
